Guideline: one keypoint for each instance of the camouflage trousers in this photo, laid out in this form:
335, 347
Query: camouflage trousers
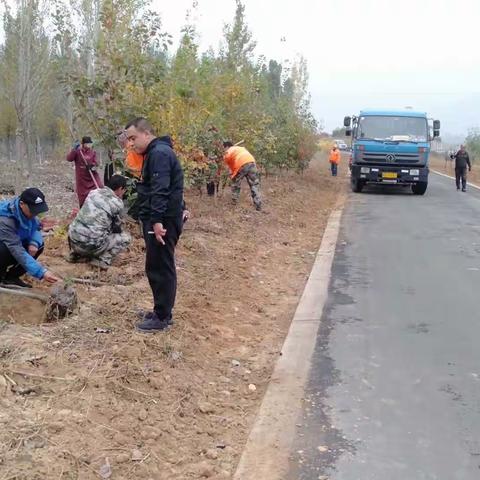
250, 172
115, 244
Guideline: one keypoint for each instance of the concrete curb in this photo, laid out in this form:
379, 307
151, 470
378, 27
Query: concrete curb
266, 454
453, 178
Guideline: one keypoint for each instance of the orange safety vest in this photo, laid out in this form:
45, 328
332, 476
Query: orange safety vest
335, 156
134, 163
236, 158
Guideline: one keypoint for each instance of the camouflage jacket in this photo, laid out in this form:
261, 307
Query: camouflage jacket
98, 218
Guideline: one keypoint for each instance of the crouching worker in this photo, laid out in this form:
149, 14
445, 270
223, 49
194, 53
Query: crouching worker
95, 235
21, 242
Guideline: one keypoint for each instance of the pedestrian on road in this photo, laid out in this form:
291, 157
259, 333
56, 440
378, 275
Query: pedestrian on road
334, 160
161, 212
21, 242
462, 161
95, 235
242, 165
86, 175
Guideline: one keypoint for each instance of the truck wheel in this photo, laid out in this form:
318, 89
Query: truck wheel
419, 188
357, 186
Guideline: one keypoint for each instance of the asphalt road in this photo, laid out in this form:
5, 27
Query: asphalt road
394, 388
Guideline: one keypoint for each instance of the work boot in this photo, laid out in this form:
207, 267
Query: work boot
96, 262
15, 281
152, 325
148, 315
73, 257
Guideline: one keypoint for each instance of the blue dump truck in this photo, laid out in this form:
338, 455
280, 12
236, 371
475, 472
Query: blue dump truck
391, 147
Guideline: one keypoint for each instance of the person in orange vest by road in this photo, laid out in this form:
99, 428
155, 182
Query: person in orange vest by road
242, 165
334, 159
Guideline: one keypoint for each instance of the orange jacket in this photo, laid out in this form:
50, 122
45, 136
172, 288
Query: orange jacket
236, 158
134, 163
335, 156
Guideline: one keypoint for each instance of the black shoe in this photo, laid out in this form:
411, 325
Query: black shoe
458, 189
148, 315
152, 325
464, 189
16, 281
144, 314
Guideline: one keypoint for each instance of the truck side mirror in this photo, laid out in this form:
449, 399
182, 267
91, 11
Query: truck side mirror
436, 124
347, 121
436, 133
348, 132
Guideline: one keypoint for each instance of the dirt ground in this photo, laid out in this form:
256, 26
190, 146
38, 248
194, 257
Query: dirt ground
89, 398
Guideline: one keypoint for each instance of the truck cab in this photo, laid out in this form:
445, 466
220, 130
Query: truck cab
391, 147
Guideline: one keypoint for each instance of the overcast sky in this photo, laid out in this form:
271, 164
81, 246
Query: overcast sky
363, 53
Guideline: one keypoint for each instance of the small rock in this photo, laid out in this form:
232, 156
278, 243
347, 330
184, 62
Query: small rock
322, 449
206, 407
204, 470
121, 439
34, 442
150, 433
235, 363
64, 413
56, 427
85, 459
142, 414
223, 475
136, 455
56, 343
122, 458
176, 356
211, 454
252, 387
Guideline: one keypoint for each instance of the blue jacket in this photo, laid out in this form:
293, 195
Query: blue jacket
17, 232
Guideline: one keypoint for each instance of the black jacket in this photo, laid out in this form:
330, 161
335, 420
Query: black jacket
462, 160
160, 193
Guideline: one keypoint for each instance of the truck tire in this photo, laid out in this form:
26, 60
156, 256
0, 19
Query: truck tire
419, 188
357, 186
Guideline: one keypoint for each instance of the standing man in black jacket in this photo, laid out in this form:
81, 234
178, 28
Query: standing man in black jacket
462, 160
160, 197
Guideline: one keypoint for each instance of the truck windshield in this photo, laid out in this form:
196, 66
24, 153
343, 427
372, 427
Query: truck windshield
390, 128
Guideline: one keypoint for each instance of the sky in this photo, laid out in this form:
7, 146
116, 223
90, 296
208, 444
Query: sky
362, 53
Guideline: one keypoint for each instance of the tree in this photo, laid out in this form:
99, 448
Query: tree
121, 64
339, 132
24, 72
472, 143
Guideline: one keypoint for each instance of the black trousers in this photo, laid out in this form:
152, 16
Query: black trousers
160, 265
461, 174
108, 172
8, 262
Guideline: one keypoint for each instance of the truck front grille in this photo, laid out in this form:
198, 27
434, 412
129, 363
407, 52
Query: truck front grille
403, 158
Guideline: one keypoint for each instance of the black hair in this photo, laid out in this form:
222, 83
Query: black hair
116, 182
227, 144
142, 124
